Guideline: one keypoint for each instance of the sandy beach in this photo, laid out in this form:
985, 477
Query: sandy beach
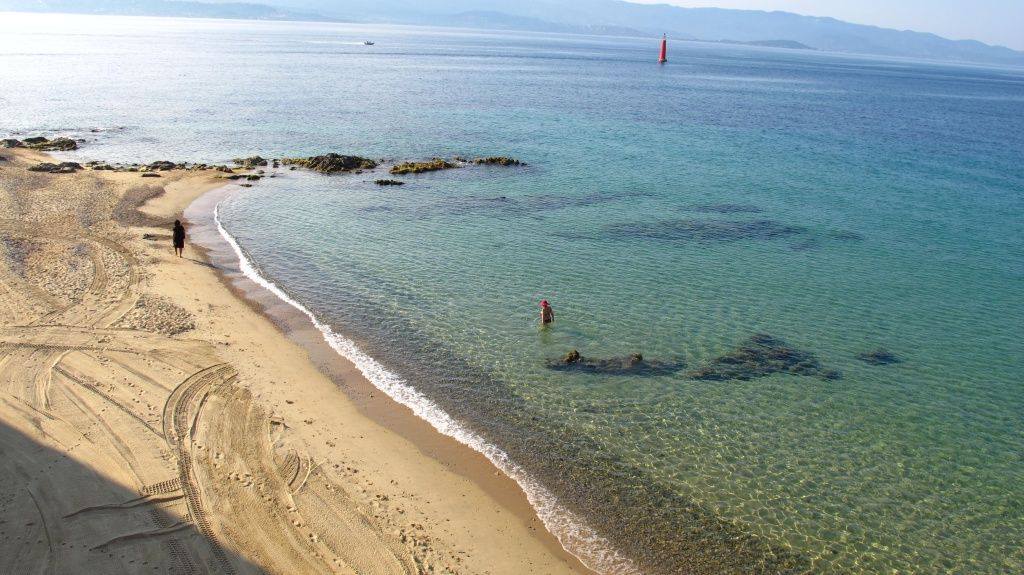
159, 415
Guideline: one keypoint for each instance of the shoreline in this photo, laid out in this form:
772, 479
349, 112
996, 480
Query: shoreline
340, 464
385, 398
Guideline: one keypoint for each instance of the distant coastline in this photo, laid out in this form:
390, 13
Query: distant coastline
609, 18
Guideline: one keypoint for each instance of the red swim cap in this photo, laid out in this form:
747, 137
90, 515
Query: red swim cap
543, 303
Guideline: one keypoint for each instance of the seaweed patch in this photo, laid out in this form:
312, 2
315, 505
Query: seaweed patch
879, 356
705, 230
759, 356
725, 209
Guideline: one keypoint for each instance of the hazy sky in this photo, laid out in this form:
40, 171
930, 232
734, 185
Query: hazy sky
991, 21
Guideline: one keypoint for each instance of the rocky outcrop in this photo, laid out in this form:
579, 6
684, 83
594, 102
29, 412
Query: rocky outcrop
498, 161
880, 356
61, 168
759, 356
420, 167
163, 166
251, 162
332, 163
389, 182
150, 175
42, 144
56, 145
632, 364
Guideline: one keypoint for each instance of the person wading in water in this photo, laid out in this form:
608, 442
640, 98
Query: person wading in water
547, 313
179, 238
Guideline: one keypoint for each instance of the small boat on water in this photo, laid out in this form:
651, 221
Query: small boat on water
367, 43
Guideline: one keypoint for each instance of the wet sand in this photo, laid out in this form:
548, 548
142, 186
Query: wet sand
161, 414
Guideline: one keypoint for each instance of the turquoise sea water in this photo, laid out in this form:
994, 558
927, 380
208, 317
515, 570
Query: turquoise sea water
836, 203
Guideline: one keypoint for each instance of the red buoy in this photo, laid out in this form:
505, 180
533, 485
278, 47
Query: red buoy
664, 50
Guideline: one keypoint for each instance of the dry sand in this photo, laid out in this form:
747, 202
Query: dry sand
152, 421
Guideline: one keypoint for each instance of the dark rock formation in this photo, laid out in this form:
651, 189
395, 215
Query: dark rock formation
420, 167
253, 177
55, 145
332, 163
61, 168
251, 162
880, 356
498, 161
165, 166
705, 230
759, 356
633, 364
151, 175
42, 144
389, 182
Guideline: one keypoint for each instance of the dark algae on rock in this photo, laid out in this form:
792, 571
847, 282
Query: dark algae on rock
433, 165
389, 182
759, 356
879, 356
498, 161
332, 163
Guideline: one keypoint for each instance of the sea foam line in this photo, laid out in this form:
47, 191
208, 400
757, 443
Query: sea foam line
572, 532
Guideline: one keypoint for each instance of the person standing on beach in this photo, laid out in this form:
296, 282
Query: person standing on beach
547, 313
179, 238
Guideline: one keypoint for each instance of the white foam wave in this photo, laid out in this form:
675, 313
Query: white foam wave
576, 537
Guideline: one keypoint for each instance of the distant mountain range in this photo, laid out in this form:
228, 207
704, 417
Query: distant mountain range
605, 17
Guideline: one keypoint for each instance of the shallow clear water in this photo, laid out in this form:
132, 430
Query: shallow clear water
839, 204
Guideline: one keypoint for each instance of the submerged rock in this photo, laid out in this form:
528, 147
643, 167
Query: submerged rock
251, 162
880, 356
632, 364
759, 356
253, 177
705, 230
846, 235
420, 167
498, 161
389, 182
61, 168
332, 163
726, 209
